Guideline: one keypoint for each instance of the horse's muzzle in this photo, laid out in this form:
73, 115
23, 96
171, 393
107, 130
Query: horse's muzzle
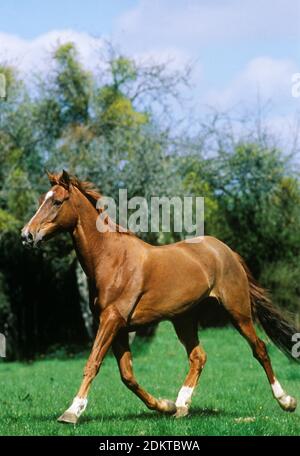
29, 240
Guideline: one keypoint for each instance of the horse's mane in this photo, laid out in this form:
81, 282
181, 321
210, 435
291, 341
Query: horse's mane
91, 193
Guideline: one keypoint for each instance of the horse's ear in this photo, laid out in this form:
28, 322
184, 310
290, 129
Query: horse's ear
64, 179
52, 178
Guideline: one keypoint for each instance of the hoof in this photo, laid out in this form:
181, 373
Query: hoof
181, 412
167, 406
288, 403
68, 417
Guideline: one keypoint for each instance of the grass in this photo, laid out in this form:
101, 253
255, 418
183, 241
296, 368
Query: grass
233, 397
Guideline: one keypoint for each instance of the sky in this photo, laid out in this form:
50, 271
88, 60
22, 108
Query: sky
240, 50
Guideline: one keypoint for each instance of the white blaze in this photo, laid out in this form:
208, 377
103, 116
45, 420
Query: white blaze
48, 195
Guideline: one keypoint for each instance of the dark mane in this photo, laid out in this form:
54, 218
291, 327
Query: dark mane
91, 193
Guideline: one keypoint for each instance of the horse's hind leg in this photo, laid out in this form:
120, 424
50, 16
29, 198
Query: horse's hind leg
122, 353
246, 328
187, 331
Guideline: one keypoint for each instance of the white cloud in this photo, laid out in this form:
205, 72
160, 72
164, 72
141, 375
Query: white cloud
192, 24
285, 129
191, 27
35, 55
263, 77
175, 58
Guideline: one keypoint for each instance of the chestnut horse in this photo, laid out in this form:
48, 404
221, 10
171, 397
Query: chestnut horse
132, 283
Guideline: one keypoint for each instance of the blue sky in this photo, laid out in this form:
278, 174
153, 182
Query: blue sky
239, 48
31, 18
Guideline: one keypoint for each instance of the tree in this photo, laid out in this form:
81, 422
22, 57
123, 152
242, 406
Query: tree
99, 130
250, 184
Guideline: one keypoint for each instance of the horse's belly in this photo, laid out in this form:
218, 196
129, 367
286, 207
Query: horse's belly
154, 306
176, 281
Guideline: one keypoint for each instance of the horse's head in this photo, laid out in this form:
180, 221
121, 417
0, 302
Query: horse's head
55, 213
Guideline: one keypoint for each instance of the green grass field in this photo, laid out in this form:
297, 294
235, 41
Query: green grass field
232, 398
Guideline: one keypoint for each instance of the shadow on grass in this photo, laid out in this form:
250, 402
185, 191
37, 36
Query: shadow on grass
195, 413
154, 416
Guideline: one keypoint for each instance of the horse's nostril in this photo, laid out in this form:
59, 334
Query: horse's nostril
27, 237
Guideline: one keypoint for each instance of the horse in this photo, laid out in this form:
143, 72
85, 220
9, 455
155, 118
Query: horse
133, 283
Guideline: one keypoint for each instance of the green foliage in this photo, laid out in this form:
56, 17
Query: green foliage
8, 222
195, 182
72, 85
259, 203
123, 70
4, 301
282, 279
118, 110
20, 197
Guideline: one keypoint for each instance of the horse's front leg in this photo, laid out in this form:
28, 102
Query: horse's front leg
122, 353
110, 323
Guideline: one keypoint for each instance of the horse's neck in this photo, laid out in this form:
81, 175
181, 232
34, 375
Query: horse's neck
92, 243
87, 239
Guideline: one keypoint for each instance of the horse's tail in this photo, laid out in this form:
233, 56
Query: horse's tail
279, 329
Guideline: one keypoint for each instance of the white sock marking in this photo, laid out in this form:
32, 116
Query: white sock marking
277, 389
286, 401
184, 396
78, 406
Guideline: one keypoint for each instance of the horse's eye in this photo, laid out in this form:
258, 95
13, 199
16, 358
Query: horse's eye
57, 203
